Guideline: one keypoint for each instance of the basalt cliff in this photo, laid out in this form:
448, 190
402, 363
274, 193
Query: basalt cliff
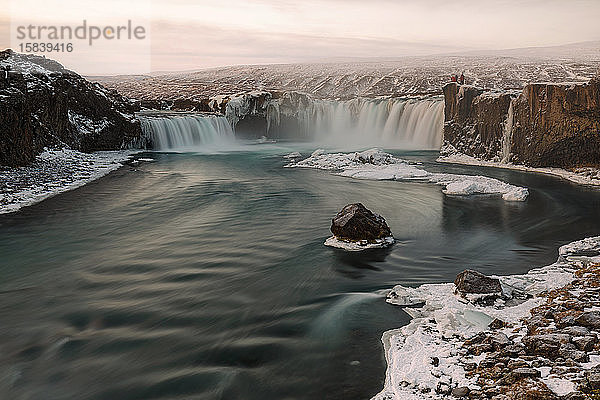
42, 104
544, 125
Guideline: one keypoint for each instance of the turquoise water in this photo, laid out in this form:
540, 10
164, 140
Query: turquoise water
204, 276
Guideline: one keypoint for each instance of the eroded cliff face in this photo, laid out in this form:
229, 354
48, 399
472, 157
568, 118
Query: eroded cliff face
545, 125
43, 104
557, 125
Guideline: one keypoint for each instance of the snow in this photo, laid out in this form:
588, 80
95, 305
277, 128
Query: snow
360, 245
409, 76
54, 172
441, 325
591, 244
293, 155
375, 164
559, 386
86, 125
464, 185
582, 176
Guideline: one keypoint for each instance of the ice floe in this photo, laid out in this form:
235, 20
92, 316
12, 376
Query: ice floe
375, 164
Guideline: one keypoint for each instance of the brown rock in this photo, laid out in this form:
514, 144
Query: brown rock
589, 319
355, 222
460, 391
474, 282
552, 124
585, 343
529, 389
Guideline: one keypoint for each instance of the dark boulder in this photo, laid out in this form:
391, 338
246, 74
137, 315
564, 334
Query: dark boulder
473, 282
355, 222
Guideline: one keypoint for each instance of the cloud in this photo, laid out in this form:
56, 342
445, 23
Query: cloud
203, 46
200, 33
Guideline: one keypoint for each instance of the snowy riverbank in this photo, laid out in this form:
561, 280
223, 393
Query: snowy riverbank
581, 176
54, 172
432, 355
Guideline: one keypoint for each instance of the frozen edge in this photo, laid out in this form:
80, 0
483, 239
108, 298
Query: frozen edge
99, 164
359, 245
571, 176
440, 327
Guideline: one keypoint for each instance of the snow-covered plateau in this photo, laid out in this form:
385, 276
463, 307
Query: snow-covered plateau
346, 80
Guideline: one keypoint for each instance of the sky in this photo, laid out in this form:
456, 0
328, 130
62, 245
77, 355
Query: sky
187, 34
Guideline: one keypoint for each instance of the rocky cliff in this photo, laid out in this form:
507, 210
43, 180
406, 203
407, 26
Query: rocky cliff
544, 125
43, 104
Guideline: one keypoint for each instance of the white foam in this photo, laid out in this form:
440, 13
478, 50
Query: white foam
375, 164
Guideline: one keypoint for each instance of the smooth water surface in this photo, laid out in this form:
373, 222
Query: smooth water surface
204, 276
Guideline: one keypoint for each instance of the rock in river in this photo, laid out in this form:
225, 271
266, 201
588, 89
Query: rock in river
357, 228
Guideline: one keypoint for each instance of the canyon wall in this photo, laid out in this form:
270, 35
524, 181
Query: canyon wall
43, 104
544, 125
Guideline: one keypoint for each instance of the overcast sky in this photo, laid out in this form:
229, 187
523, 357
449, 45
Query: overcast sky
188, 34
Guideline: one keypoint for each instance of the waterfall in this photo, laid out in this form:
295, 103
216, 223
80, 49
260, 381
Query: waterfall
185, 131
402, 123
507, 134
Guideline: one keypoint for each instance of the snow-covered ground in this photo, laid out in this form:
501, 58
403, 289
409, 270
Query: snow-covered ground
402, 77
582, 176
442, 321
375, 164
53, 172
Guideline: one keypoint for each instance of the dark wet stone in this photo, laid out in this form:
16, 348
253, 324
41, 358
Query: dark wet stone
589, 319
473, 282
355, 222
513, 350
576, 331
593, 379
568, 350
584, 343
546, 345
497, 324
460, 391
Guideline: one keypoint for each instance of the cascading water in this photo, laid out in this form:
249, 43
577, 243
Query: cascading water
507, 134
412, 123
184, 131
391, 123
